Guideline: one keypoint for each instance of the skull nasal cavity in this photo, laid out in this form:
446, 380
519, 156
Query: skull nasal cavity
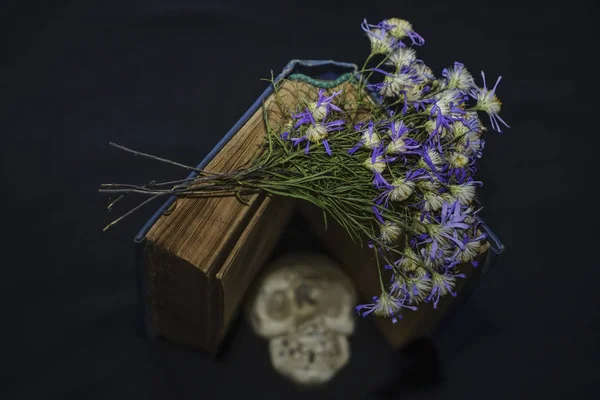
303, 294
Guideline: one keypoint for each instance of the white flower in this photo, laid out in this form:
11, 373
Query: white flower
390, 232
429, 186
402, 57
431, 262
414, 286
470, 219
435, 158
410, 260
400, 28
402, 189
422, 71
387, 306
473, 145
444, 283
418, 225
371, 139
458, 129
377, 166
465, 193
315, 133
449, 197
489, 103
473, 123
413, 94
431, 125
436, 231
389, 88
395, 146
418, 286
393, 85
319, 112
433, 201
469, 252
381, 42
459, 78
446, 100
459, 160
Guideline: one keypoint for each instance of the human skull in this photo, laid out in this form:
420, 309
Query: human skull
304, 307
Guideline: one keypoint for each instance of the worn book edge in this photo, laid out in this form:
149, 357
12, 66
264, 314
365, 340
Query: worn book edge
146, 325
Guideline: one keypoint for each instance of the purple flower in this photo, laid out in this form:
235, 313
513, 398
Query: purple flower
355, 148
378, 214
451, 219
414, 286
323, 106
317, 133
443, 230
459, 78
489, 103
470, 249
460, 167
397, 129
400, 28
475, 145
452, 216
369, 137
304, 117
432, 159
414, 97
379, 181
384, 305
400, 188
442, 284
399, 144
395, 84
375, 163
381, 41
446, 109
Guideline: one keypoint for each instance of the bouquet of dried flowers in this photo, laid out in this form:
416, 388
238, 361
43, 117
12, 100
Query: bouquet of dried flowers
395, 167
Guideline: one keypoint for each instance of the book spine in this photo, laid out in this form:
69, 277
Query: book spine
176, 294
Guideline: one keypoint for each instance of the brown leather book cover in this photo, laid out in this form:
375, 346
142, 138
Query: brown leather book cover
200, 258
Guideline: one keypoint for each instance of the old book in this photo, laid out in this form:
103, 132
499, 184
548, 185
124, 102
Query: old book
198, 256
360, 265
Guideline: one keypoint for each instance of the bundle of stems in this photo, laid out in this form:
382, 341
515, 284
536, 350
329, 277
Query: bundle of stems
392, 162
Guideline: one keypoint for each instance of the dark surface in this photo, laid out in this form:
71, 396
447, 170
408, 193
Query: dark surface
170, 78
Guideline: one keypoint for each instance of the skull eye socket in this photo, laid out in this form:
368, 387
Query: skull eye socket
333, 303
278, 305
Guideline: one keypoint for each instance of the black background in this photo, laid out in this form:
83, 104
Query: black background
170, 78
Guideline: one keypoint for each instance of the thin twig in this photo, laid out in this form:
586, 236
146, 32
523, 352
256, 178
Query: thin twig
112, 203
136, 189
128, 213
139, 153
